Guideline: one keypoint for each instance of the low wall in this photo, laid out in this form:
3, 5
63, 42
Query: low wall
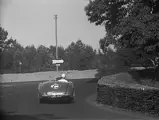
128, 94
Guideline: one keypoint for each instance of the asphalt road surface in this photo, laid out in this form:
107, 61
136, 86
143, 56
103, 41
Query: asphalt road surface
20, 102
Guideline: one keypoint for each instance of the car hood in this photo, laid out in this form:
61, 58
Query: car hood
54, 86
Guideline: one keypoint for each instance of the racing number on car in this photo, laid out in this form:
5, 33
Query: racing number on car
55, 86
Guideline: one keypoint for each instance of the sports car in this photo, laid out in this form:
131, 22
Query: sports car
55, 90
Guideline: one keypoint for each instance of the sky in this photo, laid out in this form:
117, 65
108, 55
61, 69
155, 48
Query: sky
31, 22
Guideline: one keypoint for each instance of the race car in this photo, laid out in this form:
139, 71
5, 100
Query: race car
55, 90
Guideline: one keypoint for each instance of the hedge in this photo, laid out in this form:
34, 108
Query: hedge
131, 97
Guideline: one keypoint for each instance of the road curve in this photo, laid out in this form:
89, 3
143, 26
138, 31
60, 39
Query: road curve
20, 102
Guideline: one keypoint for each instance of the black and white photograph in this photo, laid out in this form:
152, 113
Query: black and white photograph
79, 60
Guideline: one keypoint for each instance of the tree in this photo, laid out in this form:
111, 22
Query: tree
79, 56
72, 56
87, 58
107, 12
17, 51
111, 12
43, 57
30, 60
6, 60
5, 46
135, 21
4, 42
11, 57
140, 30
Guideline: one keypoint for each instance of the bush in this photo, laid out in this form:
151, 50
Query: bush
131, 97
145, 73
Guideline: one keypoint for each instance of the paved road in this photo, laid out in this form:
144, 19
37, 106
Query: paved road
20, 102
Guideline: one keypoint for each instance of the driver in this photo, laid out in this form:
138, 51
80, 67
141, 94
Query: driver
63, 76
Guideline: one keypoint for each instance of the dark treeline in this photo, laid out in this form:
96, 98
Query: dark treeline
132, 26
135, 21
16, 58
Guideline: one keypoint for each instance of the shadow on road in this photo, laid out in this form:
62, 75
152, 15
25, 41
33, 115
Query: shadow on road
55, 102
14, 116
93, 80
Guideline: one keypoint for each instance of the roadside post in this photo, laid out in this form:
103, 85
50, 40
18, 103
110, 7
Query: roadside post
56, 40
20, 65
57, 62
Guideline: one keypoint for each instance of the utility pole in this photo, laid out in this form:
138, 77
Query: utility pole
56, 40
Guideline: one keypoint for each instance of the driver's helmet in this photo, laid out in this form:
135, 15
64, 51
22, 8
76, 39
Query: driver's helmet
63, 75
